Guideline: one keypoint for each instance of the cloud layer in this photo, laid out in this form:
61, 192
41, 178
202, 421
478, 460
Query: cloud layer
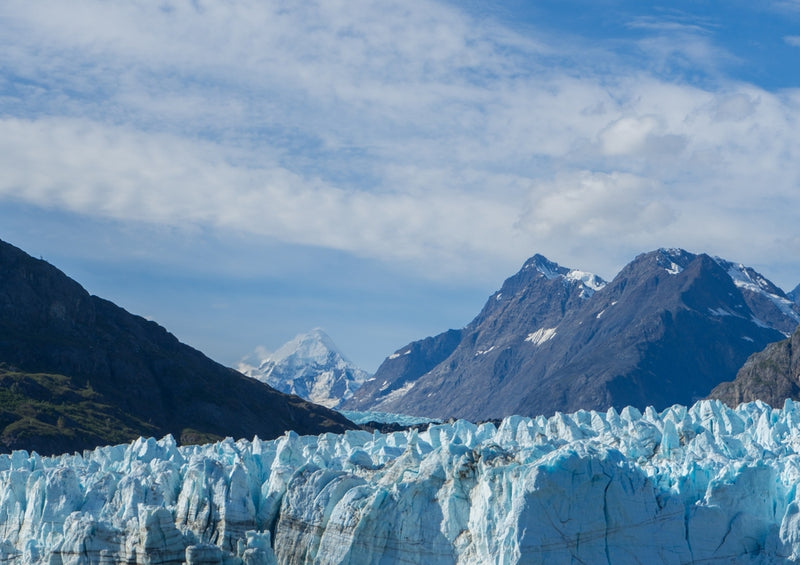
405, 131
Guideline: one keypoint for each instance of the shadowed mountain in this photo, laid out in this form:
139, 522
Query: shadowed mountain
771, 375
666, 330
78, 371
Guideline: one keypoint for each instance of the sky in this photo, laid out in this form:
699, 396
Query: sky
241, 171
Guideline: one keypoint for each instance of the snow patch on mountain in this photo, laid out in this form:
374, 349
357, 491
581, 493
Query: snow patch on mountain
310, 366
722, 312
590, 280
750, 280
541, 335
399, 392
673, 260
705, 484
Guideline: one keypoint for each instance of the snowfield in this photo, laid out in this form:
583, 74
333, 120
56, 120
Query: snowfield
706, 484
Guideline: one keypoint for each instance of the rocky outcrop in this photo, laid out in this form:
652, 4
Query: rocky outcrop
771, 375
80, 370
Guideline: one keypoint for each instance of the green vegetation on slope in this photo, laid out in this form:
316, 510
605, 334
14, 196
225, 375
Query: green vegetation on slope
39, 411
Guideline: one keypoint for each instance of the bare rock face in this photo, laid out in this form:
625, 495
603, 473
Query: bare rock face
669, 328
78, 371
771, 375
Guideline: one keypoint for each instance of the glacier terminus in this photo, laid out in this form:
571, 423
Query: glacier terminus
703, 484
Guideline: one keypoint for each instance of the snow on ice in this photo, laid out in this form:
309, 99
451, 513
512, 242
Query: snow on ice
703, 484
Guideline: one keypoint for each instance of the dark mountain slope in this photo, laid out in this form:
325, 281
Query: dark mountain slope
144, 376
536, 297
771, 375
666, 330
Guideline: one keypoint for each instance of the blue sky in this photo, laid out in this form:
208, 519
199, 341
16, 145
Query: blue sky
243, 171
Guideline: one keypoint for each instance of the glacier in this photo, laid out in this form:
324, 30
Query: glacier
699, 484
365, 417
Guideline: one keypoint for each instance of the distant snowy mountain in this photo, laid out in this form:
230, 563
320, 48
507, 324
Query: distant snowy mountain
667, 329
310, 366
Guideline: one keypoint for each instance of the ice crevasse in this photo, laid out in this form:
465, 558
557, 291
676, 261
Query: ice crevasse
706, 484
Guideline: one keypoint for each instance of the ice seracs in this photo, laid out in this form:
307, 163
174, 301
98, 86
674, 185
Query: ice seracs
310, 366
704, 484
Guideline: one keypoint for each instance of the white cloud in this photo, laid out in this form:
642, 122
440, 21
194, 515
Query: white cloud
597, 206
128, 175
627, 135
397, 130
793, 40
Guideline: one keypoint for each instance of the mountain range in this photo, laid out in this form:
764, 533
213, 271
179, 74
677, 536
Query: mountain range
310, 366
77, 371
667, 329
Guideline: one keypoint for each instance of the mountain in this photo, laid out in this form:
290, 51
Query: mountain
705, 484
78, 371
310, 366
771, 375
795, 294
666, 330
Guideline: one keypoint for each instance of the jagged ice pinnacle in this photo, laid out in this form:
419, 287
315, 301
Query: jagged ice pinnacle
702, 484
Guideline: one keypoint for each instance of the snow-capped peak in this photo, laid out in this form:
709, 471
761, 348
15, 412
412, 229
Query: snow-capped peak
748, 279
310, 365
552, 270
314, 346
673, 259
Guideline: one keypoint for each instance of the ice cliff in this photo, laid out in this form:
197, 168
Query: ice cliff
706, 484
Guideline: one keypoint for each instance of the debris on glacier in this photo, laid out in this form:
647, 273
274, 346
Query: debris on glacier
705, 484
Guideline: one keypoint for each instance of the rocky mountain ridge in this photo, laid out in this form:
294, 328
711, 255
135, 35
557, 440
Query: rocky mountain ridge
667, 329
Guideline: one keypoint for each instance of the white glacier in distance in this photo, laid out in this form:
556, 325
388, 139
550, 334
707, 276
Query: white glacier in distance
706, 484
